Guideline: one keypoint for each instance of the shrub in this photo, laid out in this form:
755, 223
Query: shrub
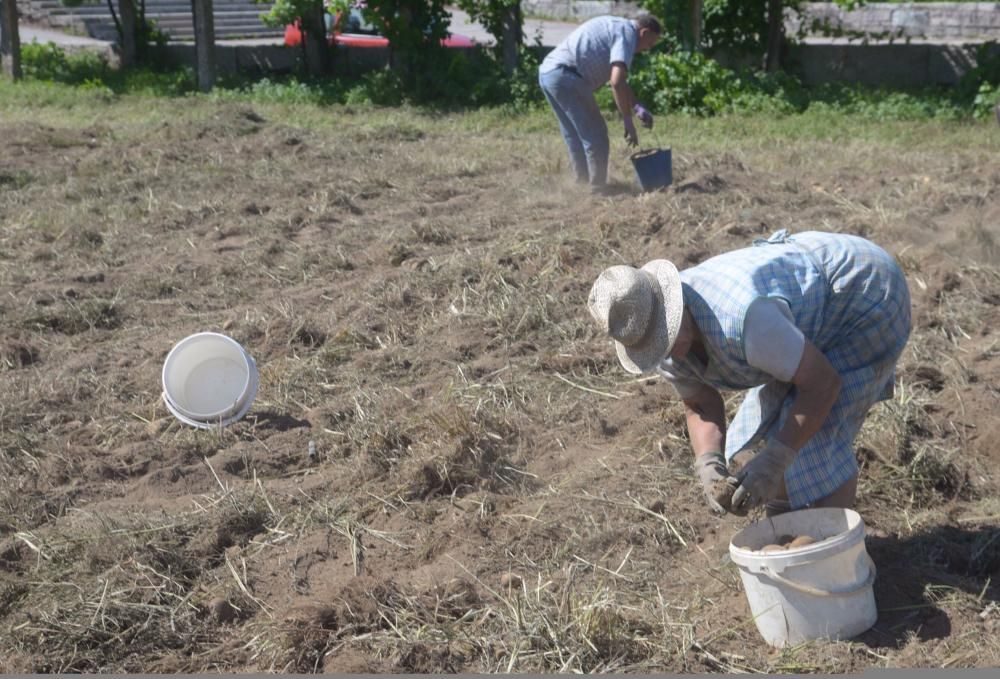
51, 63
980, 86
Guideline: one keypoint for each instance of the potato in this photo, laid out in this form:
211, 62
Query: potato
801, 541
772, 548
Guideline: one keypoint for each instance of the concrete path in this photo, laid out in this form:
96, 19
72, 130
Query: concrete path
550, 32
28, 32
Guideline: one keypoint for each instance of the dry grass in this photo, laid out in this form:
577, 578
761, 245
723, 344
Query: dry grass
488, 490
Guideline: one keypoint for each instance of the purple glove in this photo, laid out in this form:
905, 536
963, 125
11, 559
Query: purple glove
645, 116
631, 136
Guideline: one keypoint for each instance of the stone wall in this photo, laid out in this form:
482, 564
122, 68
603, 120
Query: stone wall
580, 10
931, 20
894, 65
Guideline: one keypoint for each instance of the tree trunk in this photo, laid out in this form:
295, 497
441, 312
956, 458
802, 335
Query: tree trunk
204, 43
314, 36
513, 36
696, 6
10, 40
126, 9
775, 34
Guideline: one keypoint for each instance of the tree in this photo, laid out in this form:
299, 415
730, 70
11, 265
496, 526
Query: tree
10, 40
134, 31
127, 32
311, 16
775, 34
204, 42
415, 29
695, 25
503, 20
747, 26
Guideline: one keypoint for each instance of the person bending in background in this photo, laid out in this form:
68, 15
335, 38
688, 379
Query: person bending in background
811, 324
597, 52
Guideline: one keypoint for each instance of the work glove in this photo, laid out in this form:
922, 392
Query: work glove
631, 136
761, 477
710, 468
644, 116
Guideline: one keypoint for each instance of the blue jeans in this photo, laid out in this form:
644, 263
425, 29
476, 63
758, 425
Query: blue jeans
581, 123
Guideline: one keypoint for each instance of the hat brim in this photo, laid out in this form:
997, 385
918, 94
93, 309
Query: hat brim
668, 310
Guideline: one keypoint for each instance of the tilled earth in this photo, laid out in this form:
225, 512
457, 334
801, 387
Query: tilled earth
491, 492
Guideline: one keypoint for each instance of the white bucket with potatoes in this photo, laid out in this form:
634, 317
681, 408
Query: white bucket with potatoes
209, 380
821, 590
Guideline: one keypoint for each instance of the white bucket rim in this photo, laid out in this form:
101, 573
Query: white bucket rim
224, 413
757, 561
219, 422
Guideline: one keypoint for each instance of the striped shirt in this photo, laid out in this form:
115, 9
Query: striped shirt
593, 47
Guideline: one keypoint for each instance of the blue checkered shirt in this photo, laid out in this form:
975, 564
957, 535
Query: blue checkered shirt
593, 47
848, 297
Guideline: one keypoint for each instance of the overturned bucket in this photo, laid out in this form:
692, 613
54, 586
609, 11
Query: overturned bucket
820, 591
654, 168
209, 380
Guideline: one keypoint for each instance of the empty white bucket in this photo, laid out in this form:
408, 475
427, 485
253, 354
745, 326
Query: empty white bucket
820, 591
209, 380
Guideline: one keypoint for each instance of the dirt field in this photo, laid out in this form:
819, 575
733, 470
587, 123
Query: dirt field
491, 491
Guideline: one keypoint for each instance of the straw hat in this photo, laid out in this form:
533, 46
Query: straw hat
641, 310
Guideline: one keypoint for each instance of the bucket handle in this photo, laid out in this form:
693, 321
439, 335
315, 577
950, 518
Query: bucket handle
815, 591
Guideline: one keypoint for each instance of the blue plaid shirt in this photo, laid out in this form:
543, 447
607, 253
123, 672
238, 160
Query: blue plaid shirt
848, 297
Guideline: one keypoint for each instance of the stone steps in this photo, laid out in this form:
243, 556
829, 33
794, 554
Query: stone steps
232, 18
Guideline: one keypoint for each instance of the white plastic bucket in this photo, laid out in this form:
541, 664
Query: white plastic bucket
209, 380
820, 591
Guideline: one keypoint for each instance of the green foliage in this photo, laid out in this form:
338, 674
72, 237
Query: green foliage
489, 13
281, 91
986, 101
306, 12
284, 12
523, 82
687, 83
981, 84
50, 62
738, 25
694, 84
89, 70
381, 88
494, 16
415, 29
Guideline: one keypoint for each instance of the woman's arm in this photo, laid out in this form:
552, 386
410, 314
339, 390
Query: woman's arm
706, 420
817, 386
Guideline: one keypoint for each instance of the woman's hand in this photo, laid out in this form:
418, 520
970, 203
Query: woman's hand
710, 468
706, 421
763, 476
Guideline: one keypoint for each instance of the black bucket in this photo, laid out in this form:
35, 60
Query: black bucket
654, 168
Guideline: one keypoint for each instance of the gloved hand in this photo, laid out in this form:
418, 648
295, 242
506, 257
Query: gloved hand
631, 136
761, 478
718, 485
645, 116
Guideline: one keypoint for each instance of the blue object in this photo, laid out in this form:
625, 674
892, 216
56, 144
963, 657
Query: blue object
654, 168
